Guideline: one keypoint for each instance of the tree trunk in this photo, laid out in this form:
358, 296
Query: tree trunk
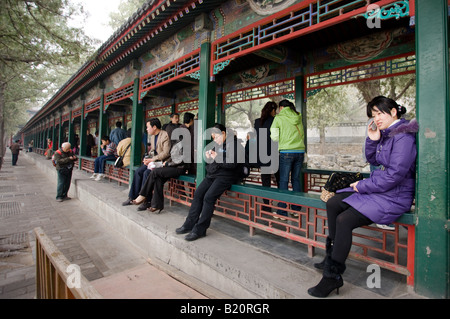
2, 123
369, 89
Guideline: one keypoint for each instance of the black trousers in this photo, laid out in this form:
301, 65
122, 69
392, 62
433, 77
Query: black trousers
153, 186
15, 157
63, 184
202, 207
342, 219
266, 180
140, 176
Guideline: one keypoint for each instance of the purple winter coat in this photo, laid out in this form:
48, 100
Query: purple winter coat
388, 192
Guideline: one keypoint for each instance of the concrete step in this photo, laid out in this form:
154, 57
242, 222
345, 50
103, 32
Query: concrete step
228, 260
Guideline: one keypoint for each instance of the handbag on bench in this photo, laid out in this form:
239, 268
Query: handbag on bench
336, 181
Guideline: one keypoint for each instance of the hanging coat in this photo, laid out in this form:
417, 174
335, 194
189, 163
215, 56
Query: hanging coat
389, 192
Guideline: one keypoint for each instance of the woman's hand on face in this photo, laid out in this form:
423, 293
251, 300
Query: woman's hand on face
373, 134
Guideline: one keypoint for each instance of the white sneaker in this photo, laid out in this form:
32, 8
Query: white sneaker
386, 227
93, 176
99, 177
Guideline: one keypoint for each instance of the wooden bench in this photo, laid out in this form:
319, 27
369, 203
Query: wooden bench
390, 249
121, 175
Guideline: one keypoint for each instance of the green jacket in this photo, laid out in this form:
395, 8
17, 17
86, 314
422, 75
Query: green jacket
287, 130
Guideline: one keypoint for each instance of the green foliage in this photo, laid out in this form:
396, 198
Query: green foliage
126, 9
38, 53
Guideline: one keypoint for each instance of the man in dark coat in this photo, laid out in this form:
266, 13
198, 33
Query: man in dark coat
223, 170
15, 149
64, 159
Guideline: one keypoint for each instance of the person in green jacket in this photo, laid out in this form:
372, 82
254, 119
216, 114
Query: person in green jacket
287, 130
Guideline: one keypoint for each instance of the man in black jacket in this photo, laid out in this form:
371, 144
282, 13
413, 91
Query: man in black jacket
224, 168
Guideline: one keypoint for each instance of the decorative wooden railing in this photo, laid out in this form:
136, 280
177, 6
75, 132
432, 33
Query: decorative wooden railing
56, 277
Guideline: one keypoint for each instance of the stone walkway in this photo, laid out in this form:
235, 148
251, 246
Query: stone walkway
27, 201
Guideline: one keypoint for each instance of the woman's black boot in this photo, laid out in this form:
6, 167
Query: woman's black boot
328, 251
331, 279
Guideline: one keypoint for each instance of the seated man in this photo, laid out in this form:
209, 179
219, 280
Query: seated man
222, 171
49, 152
179, 164
109, 153
159, 152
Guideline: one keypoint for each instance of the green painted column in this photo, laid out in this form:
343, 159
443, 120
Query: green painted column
71, 137
47, 136
60, 129
432, 196
40, 138
103, 123
137, 128
82, 136
206, 107
220, 112
300, 105
54, 141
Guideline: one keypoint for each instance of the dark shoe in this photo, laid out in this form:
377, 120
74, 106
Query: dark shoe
144, 206
127, 202
155, 210
331, 279
193, 236
182, 230
67, 198
326, 286
328, 251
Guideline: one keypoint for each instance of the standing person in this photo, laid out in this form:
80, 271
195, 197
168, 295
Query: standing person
64, 159
152, 188
382, 198
172, 125
117, 134
76, 148
159, 152
15, 150
109, 153
222, 171
90, 143
97, 143
262, 126
30, 146
287, 130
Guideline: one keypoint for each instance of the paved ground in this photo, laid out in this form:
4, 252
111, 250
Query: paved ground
27, 201
117, 270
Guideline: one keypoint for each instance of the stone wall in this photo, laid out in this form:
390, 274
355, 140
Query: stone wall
337, 156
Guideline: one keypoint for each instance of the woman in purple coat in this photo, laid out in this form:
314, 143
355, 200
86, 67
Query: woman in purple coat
381, 199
